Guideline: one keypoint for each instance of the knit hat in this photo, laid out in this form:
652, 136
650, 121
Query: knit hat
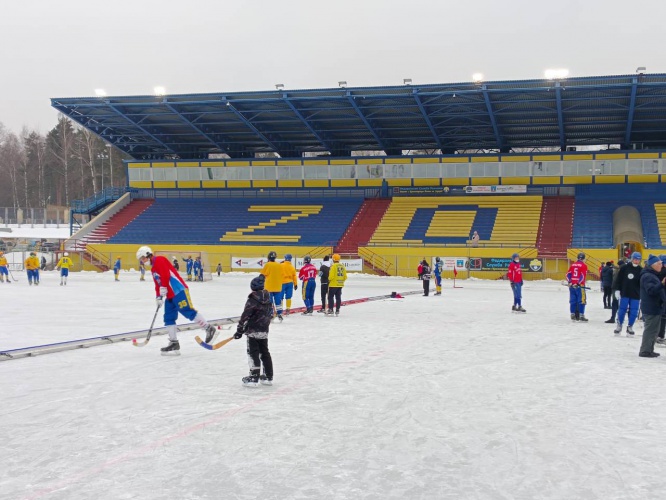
663, 258
326, 258
636, 255
257, 283
653, 259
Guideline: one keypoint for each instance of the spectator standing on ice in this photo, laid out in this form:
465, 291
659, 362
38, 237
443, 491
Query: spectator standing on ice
607, 283
272, 272
32, 268
628, 293
653, 298
219, 268
515, 275
63, 265
172, 292
426, 278
175, 263
116, 268
324, 270
255, 323
308, 275
577, 297
615, 303
336, 281
289, 281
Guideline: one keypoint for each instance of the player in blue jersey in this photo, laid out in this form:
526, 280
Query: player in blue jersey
197, 267
437, 271
116, 268
189, 264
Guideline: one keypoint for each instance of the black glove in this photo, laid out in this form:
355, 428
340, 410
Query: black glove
295, 287
238, 334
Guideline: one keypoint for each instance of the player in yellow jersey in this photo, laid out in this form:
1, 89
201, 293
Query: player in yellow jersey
289, 281
32, 268
272, 271
4, 270
336, 280
63, 265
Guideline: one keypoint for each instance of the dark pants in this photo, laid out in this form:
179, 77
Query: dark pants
662, 327
258, 355
426, 287
334, 292
607, 297
650, 331
614, 306
324, 294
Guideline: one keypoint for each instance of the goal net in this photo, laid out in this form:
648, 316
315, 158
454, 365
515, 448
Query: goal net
181, 257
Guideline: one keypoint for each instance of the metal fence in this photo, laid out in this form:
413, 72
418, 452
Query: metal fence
32, 217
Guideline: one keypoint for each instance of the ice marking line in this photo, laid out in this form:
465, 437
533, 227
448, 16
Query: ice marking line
341, 367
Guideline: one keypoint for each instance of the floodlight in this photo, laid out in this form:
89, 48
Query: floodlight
100, 92
159, 91
556, 74
279, 86
641, 69
477, 77
407, 81
342, 84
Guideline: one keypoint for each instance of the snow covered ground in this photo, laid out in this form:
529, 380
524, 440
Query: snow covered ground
451, 397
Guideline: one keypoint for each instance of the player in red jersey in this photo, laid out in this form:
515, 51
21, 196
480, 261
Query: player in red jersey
515, 276
308, 275
173, 292
576, 279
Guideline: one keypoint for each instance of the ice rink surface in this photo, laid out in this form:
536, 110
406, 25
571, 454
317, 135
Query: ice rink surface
450, 397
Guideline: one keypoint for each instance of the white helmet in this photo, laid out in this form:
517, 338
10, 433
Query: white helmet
143, 251
66, 254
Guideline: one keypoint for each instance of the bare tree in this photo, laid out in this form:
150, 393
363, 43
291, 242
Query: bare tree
60, 145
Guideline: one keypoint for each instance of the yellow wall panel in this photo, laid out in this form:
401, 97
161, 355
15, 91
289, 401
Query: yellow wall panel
399, 182
316, 183
291, 163
508, 181
609, 179
142, 165
462, 159
456, 181
263, 163
162, 164
397, 162
290, 183
547, 158
481, 159
238, 164
369, 182
546, 180
577, 179
643, 156
210, 164
606, 156
343, 183
189, 184
427, 182
485, 181
426, 160
363, 161
344, 162
515, 158
164, 184
239, 184
264, 184
315, 162
633, 179
214, 184
182, 164
141, 184
578, 157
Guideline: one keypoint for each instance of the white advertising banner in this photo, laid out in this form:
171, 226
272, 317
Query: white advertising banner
451, 263
508, 189
252, 263
248, 262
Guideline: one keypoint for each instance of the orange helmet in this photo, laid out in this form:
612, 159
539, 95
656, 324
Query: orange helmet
336, 257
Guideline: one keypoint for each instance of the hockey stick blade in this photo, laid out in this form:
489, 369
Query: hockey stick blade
136, 343
212, 347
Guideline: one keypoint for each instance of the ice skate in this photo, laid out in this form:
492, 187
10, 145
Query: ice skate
521, 310
264, 380
211, 334
307, 312
649, 355
618, 329
337, 313
322, 310
251, 381
582, 318
630, 331
173, 349
660, 342
573, 317
280, 318
329, 312
513, 307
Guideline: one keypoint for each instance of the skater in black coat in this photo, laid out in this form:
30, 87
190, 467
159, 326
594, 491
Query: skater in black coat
426, 278
255, 323
607, 284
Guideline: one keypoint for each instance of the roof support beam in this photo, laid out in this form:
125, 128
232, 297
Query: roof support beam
249, 124
632, 108
143, 129
491, 114
379, 140
300, 116
415, 93
560, 116
215, 143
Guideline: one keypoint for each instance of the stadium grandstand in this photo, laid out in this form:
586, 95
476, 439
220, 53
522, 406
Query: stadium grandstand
387, 175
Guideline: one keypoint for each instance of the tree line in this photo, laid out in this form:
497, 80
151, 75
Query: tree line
67, 163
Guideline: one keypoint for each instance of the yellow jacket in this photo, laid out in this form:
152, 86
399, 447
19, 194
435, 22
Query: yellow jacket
3, 261
288, 273
32, 263
64, 263
273, 273
337, 275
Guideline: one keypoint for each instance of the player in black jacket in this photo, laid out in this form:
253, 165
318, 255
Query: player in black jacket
628, 287
426, 278
255, 322
324, 269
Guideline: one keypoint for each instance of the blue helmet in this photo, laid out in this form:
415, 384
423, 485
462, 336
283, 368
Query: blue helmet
514, 256
287, 256
636, 255
581, 256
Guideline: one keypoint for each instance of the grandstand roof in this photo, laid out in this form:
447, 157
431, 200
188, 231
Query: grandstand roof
503, 115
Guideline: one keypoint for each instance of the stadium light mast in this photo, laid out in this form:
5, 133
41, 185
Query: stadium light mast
159, 91
640, 70
342, 84
477, 77
279, 86
407, 81
100, 92
556, 74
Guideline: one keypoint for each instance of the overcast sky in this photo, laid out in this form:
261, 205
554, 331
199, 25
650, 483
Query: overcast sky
71, 47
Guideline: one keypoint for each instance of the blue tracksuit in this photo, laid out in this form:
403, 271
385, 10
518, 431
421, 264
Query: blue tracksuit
308, 292
198, 270
189, 263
